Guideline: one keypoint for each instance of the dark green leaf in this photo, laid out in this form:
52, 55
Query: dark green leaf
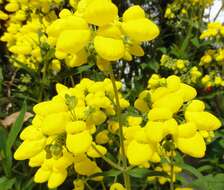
143, 172
110, 173
6, 184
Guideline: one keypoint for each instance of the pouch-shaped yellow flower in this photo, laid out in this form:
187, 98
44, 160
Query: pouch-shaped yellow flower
100, 12
31, 133
138, 153
133, 13
173, 83
196, 106
56, 178
42, 175
154, 131
77, 59
72, 41
38, 159
194, 146
140, 30
97, 117
29, 149
79, 143
55, 123
136, 50
94, 150
141, 105
186, 92
108, 48
48, 107
203, 120
187, 130
86, 167
117, 186
170, 101
110, 31
74, 127
159, 114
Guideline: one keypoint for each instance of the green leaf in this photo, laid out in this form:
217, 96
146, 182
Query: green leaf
1, 79
3, 137
143, 173
6, 184
15, 129
110, 173
190, 169
84, 68
195, 42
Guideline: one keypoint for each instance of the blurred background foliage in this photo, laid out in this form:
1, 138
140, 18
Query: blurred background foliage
181, 25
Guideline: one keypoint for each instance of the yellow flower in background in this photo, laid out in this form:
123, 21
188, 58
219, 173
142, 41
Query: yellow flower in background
117, 186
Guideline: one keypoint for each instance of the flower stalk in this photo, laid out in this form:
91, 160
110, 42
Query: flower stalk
121, 134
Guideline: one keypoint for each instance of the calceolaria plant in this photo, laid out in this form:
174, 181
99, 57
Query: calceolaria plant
91, 131
80, 126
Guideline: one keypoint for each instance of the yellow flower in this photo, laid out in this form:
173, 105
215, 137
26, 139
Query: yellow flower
54, 123
56, 65
72, 41
133, 13
49, 107
170, 101
42, 175
12, 7
203, 120
117, 186
136, 50
31, 133
87, 167
183, 188
77, 59
102, 137
94, 150
38, 159
110, 31
29, 149
186, 92
159, 114
154, 131
108, 48
75, 127
79, 143
194, 146
140, 29
187, 130
138, 153
100, 12
56, 178
141, 105
173, 83
134, 121
79, 184
3, 16
196, 106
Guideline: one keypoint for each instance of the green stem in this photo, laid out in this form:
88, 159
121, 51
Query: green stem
171, 170
121, 135
110, 162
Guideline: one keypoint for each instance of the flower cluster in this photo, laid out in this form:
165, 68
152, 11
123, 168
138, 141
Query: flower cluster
177, 65
85, 34
214, 29
181, 8
172, 122
62, 132
25, 33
